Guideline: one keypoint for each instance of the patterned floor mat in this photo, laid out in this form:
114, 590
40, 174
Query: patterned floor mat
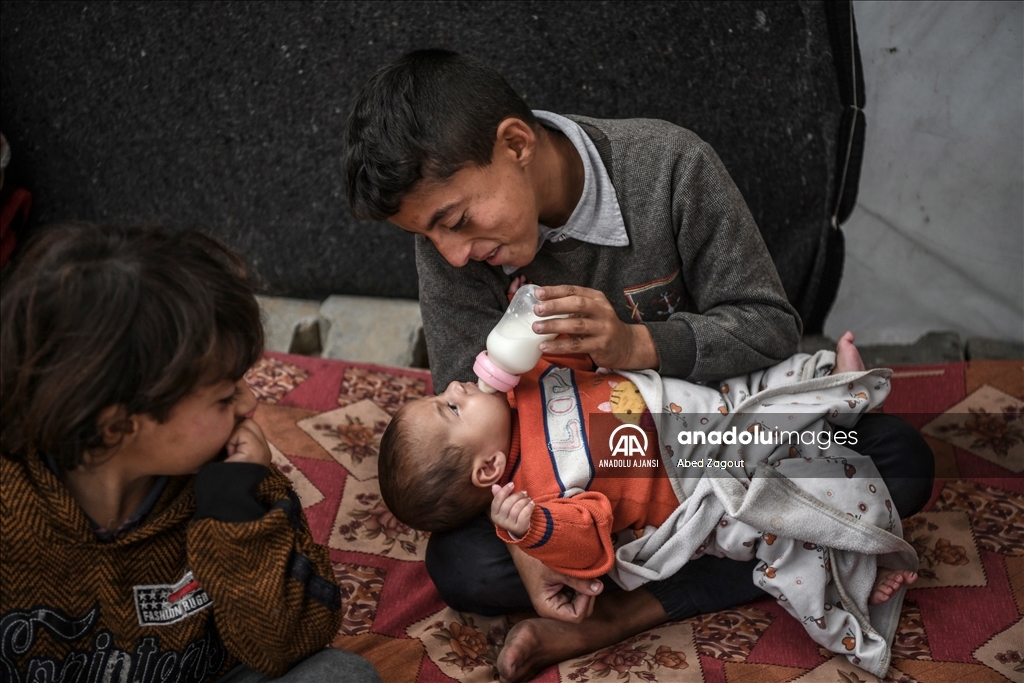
961, 621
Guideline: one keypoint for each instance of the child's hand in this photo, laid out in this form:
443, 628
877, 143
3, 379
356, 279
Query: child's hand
514, 286
247, 444
511, 511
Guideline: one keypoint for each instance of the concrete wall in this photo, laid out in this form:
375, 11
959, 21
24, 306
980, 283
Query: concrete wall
936, 241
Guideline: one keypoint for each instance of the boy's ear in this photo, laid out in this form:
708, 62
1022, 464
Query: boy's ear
516, 137
487, 469
115, 424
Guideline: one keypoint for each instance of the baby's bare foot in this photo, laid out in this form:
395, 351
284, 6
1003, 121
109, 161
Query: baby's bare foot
847, 356
887, 582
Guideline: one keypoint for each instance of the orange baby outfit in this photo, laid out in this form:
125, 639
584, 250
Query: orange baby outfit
572, 525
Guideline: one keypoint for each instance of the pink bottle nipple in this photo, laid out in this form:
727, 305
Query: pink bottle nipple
491, 376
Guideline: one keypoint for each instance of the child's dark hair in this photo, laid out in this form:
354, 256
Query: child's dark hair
98, 316
429, 491
427, 115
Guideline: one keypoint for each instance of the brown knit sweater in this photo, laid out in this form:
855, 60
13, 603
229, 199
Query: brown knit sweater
223, 570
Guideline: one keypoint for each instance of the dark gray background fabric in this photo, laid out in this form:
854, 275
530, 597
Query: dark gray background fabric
230, 115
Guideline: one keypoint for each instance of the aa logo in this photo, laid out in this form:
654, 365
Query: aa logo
628, 440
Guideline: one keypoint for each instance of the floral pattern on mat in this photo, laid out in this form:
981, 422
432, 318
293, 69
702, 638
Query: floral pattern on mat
997, 515
351, 435
911, 640
360, 594
365, 524
839, 670
664, 654
946, 548
1004, 652
270, 379
388, 390
988, 423
760, 673
307, 492
464, 646
731, 634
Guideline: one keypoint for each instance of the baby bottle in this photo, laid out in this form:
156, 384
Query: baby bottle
512, 346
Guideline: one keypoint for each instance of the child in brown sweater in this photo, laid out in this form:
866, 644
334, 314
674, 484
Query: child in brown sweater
146, 535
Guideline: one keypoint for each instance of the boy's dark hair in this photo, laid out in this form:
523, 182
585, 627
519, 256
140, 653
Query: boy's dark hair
427, 491
427, 115
98, 316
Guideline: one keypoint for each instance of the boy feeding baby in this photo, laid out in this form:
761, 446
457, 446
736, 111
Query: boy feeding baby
816, 515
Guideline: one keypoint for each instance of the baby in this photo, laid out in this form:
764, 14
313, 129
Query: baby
447, 458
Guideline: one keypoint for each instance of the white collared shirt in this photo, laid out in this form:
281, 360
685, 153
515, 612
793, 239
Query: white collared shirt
597, 218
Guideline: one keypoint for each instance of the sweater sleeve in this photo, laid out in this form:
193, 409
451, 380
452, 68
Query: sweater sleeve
572, 536
744, 320
459, 306
275, 599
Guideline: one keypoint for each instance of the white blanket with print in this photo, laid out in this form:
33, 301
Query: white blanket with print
816, 514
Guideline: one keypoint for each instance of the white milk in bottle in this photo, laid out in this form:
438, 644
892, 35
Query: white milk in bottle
512, 345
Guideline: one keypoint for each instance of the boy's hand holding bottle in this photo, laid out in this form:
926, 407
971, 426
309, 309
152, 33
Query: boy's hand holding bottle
512, 346
511, 510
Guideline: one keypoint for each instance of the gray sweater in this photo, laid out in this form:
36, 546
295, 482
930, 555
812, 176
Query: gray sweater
696, 270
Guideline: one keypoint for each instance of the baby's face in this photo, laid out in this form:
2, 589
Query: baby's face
464, 416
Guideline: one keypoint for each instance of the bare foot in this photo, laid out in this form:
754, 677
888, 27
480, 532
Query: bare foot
847, 356
888, 581
535, 644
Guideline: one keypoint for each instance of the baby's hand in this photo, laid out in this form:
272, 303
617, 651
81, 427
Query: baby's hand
247, 444
514, 286
511, 511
